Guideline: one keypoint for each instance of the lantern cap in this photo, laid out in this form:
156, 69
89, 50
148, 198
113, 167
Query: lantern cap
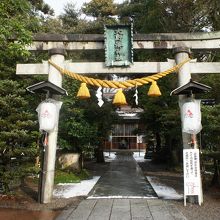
192, 87
45, 87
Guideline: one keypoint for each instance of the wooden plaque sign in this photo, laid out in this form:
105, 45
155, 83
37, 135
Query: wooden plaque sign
118, 45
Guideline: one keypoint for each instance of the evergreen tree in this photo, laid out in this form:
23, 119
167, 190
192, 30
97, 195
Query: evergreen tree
18, 130
102, 13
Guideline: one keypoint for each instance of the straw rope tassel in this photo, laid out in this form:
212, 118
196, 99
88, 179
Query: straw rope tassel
119, 98
83, 92
154, 90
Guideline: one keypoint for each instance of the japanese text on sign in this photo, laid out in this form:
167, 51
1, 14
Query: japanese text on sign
118, 45
192, 182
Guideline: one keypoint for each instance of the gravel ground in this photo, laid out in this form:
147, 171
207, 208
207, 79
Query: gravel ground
25, 197
25, 202
209, 210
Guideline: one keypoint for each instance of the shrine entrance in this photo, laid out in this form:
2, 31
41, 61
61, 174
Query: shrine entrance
124, 136
120, 62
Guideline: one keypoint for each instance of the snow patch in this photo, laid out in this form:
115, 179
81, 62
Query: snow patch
67, 190
109, 156
163, 191
122, 197
139, 157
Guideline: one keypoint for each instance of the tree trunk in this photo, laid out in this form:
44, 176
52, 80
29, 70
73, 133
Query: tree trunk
100, 155
81, 161
215, 179
158, 141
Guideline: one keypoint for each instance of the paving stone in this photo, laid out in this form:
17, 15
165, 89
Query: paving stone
161, 215
159, 211
121, 210
141, 218
155, 202
102, 210
139, 209
83, 211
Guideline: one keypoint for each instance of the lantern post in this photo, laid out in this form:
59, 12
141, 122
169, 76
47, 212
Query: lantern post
191, 125
55, 77
53, 89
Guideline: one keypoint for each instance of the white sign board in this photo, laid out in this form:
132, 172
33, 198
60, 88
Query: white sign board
192, 177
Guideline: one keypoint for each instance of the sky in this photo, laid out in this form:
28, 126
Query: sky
58, 5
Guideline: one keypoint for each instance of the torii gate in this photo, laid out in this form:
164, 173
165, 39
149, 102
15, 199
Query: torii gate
56, 44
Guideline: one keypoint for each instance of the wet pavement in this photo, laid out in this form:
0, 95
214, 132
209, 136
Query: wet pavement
122, 193
124, 179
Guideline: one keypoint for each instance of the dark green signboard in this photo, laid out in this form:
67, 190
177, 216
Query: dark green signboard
118, 45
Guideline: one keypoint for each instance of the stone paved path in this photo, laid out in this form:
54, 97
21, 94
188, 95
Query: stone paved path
123, 209
123, 179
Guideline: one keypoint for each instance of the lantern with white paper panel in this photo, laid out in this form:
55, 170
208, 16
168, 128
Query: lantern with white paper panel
190, 107
48, 110
191, 117
47, 116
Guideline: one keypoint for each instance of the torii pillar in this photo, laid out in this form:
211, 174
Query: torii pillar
55, 77
184, 76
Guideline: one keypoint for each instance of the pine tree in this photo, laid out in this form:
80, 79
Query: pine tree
18, 124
